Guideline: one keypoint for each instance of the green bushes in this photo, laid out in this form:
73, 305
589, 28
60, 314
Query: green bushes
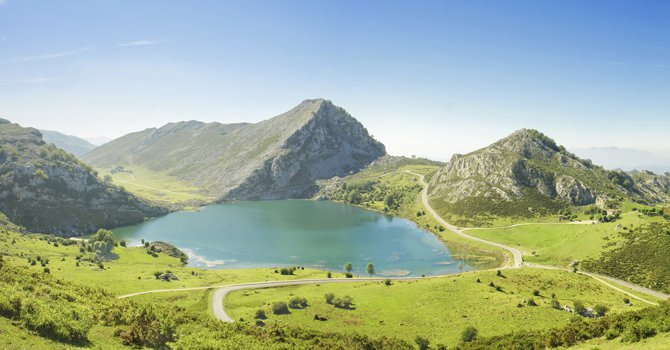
640, 258
297, 303
70, 325
280, 308
630, 326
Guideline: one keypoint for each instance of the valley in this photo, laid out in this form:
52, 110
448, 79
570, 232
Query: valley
437, 270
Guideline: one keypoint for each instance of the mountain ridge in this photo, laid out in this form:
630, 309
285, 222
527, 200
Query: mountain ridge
280, 157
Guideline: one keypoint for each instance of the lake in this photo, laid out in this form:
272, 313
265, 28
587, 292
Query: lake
307, 233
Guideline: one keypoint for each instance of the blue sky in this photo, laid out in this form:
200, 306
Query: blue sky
429, 78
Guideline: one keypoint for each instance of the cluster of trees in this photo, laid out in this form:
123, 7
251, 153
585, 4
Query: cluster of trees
103, 242
368, 192
641, 257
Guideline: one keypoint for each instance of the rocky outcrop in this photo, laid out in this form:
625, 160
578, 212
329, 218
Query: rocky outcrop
281, 157
530, 168
46, 189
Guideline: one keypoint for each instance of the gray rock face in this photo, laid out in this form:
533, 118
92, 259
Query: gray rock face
508, 169
46, 189
281, 157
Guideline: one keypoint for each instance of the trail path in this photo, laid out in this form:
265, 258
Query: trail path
516, 253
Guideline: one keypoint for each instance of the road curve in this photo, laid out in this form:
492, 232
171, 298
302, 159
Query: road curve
516, 253
219, 297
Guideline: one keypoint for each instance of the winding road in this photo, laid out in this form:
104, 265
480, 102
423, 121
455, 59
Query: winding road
218, 299
516, 253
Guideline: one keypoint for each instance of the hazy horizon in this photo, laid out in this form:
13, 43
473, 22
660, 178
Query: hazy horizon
428, 79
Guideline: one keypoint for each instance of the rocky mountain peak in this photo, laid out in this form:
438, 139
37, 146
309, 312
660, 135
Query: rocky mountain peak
4, 121
528, 143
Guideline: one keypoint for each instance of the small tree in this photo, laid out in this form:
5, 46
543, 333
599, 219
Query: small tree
555, 304
370, 269
330, 297
422, 342
348, 267
260, 314
297, 303
536, 293
469, 334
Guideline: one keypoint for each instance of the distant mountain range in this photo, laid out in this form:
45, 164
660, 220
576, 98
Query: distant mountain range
46, 189
281, 157
528, 172
625, 158
72, 144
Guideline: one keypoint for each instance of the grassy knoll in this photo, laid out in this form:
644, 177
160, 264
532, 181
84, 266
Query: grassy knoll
560, 244
437, 309
157, 186
133, 269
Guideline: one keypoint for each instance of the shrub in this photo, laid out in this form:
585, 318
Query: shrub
297, 303
536, 293
70, 325
260, 314
469, 334
555, 304
639, 330
280, 308
422, 342
343, 303
531, 302
579, 308
387, 282
600, 310
330, 297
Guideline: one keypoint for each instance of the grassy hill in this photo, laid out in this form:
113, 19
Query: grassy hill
436, 309
526, 175
280, 157
68, 143
46, 189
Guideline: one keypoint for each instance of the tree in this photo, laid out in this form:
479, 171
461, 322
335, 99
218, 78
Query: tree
422, 342
370, 269
348, 267
389, 201
469, 334
103, 241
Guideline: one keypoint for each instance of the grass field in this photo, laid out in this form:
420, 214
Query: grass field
560, 244
157, 187
659, 342
437, 309
132, 271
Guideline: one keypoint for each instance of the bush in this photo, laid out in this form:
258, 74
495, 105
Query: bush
387, 282
531, 302
555, 304
469, 334
600, 310
579, 308
297, 303
343, 303
536, 293
422, 342
280, 308
330, 297
260, 314
70, 325
639, 330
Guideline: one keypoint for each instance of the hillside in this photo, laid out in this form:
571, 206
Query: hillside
46, 189
281, 157
527, 173
68, 143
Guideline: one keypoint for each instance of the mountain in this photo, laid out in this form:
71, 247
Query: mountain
72, 144
46, 189
528, 172
625, 158
281, 157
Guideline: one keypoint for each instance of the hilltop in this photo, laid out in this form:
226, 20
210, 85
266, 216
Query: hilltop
527, 173
281, 157
46, 189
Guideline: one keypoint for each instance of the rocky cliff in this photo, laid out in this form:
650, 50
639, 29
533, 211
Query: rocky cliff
527, 171
46, 189
281, 157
